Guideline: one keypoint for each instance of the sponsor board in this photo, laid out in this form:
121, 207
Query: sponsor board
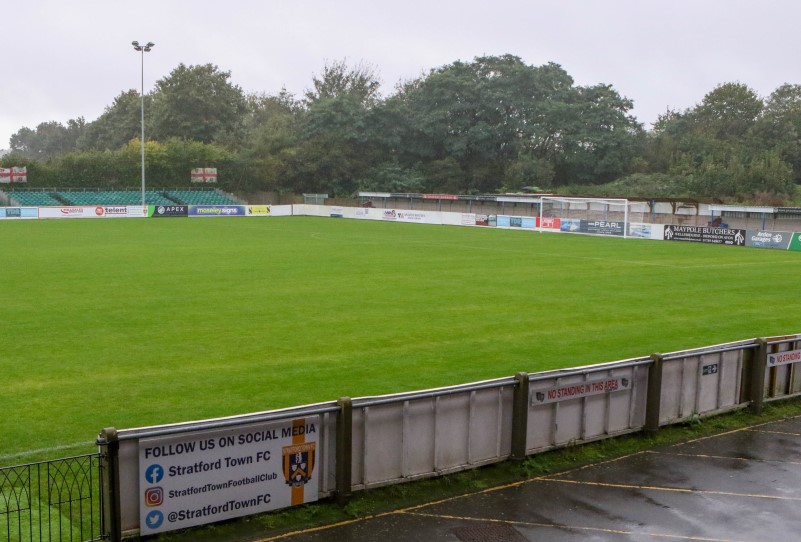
162, 211
67, 212
485, 220
696, 234
118, 211
570, 225
411, 216
768, 239
203, 477
643, 230
578, 390
602, 227
795, 242
336, 212
784, 358
258, 210
524, 222
94, 211
19, 212
217, 210
389, 214
551, 223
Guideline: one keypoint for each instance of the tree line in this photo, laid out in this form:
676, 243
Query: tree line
491, 125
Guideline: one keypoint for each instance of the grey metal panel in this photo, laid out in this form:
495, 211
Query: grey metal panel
589, 417
731, 378
418, 438
701, 383
626, 409
328, 455
540, 419
690, 382
486, 425
383, 442
359, 448
452, 429
429, 435
708, 385
569, 414
129, 485
671, 396
639, 397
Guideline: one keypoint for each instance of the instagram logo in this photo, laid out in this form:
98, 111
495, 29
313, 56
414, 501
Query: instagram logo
154, 496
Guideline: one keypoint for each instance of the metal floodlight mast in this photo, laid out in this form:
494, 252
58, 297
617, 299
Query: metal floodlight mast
143, 49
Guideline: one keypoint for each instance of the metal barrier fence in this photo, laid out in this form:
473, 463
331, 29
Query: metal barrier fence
374, 441
52, 500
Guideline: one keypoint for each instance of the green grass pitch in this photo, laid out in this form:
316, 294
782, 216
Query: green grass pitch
127, 323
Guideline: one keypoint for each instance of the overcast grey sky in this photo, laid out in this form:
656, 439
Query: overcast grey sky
66, 59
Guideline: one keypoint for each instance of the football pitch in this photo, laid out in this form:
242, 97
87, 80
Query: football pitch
127, 323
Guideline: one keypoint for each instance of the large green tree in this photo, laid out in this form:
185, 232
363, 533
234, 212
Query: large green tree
361, 82
506, 123
198, 103
119, 123
49, 139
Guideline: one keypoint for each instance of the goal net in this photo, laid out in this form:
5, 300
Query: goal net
593, 216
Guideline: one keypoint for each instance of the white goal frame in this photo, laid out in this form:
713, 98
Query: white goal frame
577, 203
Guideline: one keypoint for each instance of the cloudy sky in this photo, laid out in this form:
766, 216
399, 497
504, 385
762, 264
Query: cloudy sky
67, 59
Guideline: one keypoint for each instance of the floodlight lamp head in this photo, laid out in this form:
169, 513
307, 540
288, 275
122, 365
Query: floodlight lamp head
136, 46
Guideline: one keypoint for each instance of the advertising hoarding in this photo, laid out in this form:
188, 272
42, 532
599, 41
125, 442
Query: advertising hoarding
258, 210
19, 212
162, 211
94, 211
697, 234
795, 242
202, 477
602, 227
217, 210
768, 239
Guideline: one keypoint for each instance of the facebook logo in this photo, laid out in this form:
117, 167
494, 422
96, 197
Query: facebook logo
154, 473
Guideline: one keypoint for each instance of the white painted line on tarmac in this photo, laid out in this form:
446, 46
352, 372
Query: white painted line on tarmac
675, 489
709, 456
564, 527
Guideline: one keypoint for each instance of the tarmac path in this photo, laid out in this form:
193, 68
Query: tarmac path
740, 486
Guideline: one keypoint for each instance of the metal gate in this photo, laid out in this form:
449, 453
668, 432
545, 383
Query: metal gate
52, 500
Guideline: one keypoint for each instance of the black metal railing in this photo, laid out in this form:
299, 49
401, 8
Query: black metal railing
52, 500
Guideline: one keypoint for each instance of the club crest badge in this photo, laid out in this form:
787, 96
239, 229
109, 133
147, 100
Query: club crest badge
298, 462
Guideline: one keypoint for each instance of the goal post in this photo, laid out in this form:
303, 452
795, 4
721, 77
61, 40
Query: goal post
592, 216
